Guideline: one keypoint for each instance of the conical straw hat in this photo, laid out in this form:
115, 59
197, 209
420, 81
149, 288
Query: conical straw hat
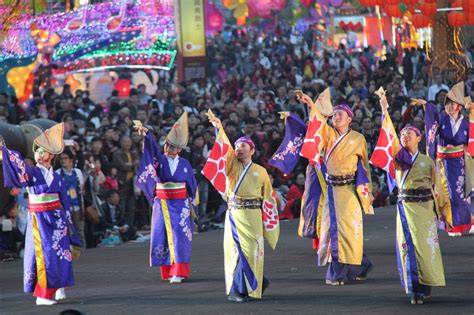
456, 94
323, 103
51, 140
179, 133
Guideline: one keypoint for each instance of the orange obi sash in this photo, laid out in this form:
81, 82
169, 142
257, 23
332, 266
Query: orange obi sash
43, 202
171, 191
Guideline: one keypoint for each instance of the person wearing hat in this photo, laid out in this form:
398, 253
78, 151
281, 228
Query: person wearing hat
447, 143
252, 216
345, 164
420, 191
51, 239
168, 182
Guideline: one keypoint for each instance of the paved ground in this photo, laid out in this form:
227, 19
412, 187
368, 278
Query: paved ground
118, 280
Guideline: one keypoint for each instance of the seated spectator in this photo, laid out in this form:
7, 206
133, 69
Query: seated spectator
293, 199
381, 198
111, 180
10, 237
113, 218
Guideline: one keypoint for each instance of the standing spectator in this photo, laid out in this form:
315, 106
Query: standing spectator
126, 162
437, 86
74, 183
114, 218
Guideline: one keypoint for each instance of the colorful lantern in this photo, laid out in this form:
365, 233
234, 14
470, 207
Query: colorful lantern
420, 21
368, 3
469, 18
428, 9
468, 5
393, 10
456, 19
123, 87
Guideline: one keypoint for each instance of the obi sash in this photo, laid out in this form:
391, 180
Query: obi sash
415, 195
169, 191
450, 152
342, 180
242, 204
43, 202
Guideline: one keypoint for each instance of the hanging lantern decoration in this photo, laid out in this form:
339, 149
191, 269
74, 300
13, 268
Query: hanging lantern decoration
393, 11
469, 18
123, 87
456, 19
410, 2
379, 2
420, 21
428, 9
430, 1
467, 5
392, 2
214, 18
368, 3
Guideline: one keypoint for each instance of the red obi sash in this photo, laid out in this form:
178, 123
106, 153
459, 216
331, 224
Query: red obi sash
171, 191
450, 152
43, 202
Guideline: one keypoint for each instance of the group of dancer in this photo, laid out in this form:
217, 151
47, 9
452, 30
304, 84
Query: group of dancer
433, 188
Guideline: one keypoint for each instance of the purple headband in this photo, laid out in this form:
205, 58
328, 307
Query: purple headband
345, 108
412, 128
246, 140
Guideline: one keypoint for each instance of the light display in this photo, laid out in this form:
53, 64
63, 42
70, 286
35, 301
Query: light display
119, 33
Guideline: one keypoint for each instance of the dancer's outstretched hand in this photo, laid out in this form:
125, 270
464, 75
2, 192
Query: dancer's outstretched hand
216, 122
305, 99
417, 102
142, 130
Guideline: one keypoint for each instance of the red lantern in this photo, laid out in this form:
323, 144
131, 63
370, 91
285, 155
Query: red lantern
306, 3
393, 11
379, 2
420, 21
428, 9
368, 3
410, 2
469, 18
123, 87
391, 2
468, 5
430, 1
456, 19
216, 20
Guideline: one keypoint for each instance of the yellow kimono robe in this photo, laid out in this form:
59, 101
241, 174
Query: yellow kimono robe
252, 225
418, 251
342, 154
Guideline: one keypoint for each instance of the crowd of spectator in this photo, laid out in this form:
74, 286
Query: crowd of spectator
251, 77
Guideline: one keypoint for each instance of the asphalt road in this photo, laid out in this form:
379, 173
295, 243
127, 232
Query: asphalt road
118, 280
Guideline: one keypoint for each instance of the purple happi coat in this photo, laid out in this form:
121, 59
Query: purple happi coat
172, 224
49, 234
453, 170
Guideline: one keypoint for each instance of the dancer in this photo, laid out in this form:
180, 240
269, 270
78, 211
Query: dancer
447, 140
421, 204
50, 233
169, 184
346, 170
252, 216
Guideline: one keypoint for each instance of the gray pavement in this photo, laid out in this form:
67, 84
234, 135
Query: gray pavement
118, 280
